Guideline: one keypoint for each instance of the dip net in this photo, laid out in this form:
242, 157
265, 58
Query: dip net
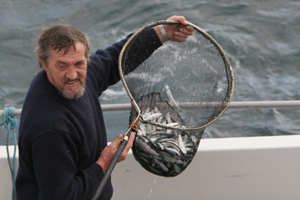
176, 91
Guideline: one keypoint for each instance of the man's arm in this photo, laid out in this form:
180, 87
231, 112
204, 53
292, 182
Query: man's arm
55, 160
149, 41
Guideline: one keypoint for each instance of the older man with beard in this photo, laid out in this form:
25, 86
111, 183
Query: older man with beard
63, 152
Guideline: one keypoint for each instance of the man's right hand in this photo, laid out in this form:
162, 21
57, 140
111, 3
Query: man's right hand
108, 152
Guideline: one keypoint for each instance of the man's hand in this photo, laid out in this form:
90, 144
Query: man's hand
177, 32
108, 152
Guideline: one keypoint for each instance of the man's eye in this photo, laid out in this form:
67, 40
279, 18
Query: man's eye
80, 64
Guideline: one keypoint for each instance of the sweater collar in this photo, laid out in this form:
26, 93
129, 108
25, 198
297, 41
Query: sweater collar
42, 80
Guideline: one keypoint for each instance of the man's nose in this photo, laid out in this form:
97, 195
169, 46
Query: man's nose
71, 73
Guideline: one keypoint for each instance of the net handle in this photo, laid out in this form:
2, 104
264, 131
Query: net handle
107, 174
225, 59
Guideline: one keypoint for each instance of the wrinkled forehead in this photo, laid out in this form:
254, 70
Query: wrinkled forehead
72, 55
76, 47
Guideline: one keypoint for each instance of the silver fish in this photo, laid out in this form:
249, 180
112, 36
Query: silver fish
161, 165
152, 117
141, 143
181, 145
170, 96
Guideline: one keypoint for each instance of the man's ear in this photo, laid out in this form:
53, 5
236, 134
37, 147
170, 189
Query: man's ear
43, 63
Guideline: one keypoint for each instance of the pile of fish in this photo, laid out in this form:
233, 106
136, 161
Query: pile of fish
163, 150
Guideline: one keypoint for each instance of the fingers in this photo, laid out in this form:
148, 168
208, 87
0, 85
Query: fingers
180, 32
117, 140
130, 141
115, 145
183, 33
109, 151
180, 19
127, 147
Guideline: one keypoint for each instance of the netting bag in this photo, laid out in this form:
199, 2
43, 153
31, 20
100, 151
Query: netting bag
177, 90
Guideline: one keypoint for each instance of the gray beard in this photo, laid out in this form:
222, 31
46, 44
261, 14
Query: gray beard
73, 96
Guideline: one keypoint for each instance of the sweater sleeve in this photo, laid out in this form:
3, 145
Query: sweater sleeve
104, 65
140, 49
54, 157
105, 61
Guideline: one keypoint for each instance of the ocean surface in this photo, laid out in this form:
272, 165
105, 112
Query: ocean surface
260, 38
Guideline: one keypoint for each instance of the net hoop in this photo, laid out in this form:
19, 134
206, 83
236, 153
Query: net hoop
133, 102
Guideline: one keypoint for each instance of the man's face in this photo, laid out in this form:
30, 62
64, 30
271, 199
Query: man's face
67, 72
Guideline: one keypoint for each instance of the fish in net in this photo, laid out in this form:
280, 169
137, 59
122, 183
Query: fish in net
161, 150
176, 90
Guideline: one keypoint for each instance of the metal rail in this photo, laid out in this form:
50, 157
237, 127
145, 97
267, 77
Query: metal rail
233, 105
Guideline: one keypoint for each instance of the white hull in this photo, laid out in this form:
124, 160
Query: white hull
260, 168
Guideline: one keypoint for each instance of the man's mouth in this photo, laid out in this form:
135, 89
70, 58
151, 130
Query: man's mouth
72, 82
73, 89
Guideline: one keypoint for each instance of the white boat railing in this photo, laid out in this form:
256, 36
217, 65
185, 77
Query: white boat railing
233, 105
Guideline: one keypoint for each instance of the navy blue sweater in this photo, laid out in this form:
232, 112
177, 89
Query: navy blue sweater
60, 139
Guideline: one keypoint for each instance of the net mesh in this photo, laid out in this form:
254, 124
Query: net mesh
180, 88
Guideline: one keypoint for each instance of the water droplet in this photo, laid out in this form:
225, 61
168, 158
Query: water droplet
150, 192
154, 181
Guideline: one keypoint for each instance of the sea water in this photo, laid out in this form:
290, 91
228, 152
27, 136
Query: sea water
260, 38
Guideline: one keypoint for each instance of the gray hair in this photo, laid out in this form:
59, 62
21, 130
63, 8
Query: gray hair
60, 37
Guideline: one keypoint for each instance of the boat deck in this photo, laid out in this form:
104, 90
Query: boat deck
260, 168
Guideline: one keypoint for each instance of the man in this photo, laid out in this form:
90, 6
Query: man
63, 152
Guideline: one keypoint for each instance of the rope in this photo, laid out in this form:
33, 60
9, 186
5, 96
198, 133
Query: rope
9, 122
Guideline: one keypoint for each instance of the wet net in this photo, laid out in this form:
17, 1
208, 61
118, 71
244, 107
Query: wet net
176, 89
